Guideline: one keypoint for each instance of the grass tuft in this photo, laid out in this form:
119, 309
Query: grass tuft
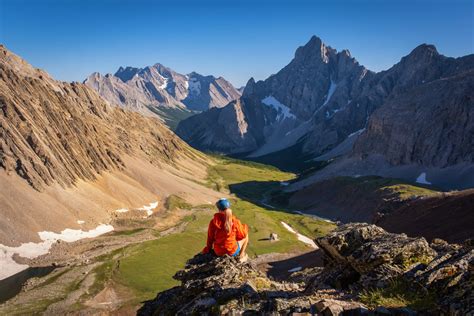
398, 294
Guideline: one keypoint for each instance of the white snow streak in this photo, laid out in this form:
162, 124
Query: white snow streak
331, 90
356, 133
296, 269
302, 238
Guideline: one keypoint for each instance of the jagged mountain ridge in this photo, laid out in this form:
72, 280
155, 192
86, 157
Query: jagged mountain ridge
320, 100
278, 110
159, 86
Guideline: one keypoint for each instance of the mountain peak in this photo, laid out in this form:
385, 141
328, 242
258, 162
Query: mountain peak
315, 39
314, 48
346, 52
424, 50
126, 73
249, 87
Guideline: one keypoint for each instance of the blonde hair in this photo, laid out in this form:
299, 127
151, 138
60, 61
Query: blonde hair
228, 220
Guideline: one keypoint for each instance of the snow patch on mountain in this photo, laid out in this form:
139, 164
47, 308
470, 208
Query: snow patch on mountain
301, 238
32, 250
165, 81
282, 110
422, 179
149, 208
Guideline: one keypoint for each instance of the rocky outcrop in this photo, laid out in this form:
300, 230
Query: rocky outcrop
373, 255
56, 132
142, 89
364, 256
214, 286
358, 258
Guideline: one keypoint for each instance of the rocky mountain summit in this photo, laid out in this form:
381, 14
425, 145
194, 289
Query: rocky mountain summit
324, 100
143, 89
359, 259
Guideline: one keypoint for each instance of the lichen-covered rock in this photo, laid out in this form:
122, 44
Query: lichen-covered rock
362, 256
222, 285
374, 254
450, 275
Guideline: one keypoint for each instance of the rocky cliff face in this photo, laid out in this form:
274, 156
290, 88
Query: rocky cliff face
278, 111
56, 132
432, 125
159, 86
323, 100
358, 258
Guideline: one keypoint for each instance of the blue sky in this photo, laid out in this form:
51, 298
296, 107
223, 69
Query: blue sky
235, 39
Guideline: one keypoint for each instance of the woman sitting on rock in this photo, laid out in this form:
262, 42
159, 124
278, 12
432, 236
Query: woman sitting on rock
226, 234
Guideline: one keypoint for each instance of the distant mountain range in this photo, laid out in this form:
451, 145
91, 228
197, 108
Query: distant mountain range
419, 113
160, 91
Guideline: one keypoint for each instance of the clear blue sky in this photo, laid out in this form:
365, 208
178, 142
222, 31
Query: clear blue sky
235, 39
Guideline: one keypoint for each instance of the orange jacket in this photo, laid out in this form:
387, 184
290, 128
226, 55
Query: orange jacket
222, 241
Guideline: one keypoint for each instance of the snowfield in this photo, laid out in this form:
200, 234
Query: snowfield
282, 110
32, 250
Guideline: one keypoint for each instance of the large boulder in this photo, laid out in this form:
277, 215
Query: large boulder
376, 255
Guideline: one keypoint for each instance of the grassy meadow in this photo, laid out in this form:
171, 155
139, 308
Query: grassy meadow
147, 268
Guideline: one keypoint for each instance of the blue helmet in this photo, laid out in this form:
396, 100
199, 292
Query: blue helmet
223, 204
